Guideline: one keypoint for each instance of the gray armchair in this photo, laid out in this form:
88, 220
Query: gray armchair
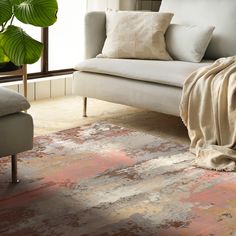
16, 127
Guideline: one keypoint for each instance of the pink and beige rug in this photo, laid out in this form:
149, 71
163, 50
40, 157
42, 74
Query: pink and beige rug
103, 179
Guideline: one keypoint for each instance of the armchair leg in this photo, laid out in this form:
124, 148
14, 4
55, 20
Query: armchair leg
85, 107
14, 169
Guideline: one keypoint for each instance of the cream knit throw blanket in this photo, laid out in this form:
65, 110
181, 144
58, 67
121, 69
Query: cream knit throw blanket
208, 109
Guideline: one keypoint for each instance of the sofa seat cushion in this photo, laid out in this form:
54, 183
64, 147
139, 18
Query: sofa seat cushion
11, 102
171, 73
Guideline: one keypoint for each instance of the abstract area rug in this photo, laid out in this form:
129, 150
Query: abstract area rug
103, 179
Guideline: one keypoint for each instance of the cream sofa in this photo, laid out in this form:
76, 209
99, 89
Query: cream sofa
149, 84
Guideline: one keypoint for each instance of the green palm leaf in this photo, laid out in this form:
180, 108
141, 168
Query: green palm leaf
20, 47
5, 11
3, 57
16, 2
41, 13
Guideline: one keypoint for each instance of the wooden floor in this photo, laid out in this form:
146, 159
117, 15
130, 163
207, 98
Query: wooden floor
66, 112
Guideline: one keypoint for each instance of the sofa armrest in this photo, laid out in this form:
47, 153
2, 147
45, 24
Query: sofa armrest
95, 33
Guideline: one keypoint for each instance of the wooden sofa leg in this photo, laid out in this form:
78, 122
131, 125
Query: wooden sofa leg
14, 169
85, 99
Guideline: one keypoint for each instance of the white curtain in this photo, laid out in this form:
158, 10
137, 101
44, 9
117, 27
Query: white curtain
101, 5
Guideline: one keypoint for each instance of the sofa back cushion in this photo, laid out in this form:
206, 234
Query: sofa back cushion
217, 13
188, 42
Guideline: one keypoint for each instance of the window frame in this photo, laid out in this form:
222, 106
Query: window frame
44, 72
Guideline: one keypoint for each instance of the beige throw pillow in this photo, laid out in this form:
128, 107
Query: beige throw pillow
133, 34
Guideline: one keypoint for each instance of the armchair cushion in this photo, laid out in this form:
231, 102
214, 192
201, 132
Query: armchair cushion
16, 134
12, 102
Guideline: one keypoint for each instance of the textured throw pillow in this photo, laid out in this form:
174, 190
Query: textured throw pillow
133, 34
188, 42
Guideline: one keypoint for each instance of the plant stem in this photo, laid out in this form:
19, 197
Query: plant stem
5, 24
12, 20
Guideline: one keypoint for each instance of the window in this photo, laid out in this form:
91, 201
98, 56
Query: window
64, 41
66, 35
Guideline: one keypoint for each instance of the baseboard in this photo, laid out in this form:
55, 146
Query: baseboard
49, 87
